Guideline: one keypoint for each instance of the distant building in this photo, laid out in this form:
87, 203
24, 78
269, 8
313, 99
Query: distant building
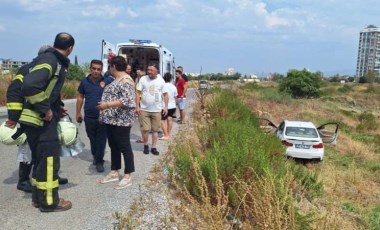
251, 78
7, 65
229, 71
369, 51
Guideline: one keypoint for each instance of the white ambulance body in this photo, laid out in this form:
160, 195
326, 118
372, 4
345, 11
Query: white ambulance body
139, 54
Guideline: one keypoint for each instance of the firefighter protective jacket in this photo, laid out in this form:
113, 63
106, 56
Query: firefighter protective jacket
42, 86
15, 100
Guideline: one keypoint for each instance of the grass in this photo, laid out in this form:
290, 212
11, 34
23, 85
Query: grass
350, 170
234, 169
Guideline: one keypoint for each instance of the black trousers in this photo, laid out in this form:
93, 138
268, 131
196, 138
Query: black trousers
45, 147
97, 134
120, 143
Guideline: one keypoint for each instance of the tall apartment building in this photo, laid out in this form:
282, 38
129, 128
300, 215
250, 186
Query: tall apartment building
369, 51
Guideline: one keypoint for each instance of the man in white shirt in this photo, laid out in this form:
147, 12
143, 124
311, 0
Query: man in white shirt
152, 89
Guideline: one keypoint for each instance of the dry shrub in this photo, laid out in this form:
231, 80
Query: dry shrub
332, 217
204, 213
267, 203
5, 80
347, 145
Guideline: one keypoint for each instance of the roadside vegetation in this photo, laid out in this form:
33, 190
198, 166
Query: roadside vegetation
69, 90
237, 176
350, 171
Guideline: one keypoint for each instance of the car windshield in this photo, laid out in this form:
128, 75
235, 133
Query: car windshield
301, 132
203, 82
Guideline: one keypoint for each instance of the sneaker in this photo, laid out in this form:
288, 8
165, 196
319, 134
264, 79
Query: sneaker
63, 205
99, 167
109, 178
146, 149
123, 183
62, 180
154, 151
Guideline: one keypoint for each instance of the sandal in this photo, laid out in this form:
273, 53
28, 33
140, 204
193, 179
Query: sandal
123, 183
164, 138
109, 178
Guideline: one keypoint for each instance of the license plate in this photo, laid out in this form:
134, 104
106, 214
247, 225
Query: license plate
302, 146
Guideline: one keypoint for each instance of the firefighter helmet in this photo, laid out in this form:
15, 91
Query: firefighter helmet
6, 134
67, 132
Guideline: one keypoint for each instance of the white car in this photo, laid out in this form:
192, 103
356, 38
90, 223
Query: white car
204, 84
303, 140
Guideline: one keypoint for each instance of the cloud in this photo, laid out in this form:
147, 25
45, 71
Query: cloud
132, 13
242, 4
2, 28
40, 5
122, 25
105, 11
169, 5
271, 19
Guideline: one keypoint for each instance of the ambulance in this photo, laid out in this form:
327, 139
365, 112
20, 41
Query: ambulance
139, 54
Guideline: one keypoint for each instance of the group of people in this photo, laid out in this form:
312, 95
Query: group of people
111, 104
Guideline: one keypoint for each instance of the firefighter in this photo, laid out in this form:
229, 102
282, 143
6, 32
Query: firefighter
40, 115
15, 103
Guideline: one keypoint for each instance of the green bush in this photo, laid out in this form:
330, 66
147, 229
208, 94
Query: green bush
345, 89
75, 72
69, 90
301, 84
367, 122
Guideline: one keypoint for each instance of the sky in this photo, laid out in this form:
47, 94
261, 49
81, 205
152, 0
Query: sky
251, 36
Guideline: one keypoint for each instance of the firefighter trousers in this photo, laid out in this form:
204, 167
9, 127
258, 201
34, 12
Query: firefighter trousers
44, 143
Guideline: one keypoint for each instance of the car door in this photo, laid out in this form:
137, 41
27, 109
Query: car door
280, 130
329, 132
267, 126
107, 49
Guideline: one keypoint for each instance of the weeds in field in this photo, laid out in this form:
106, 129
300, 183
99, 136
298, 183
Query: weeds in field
69, 89
367, 121
236, 167
345, 89
350, 169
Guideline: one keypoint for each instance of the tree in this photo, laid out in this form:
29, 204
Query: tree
371, 76
86, 68
335, 78
277, 77
362, 80
75, 72
301, 83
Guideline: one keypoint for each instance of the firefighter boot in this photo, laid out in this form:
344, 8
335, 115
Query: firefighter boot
23, 180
